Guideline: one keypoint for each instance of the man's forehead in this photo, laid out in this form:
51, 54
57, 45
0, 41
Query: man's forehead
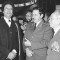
35, 12
8, 5
28, 13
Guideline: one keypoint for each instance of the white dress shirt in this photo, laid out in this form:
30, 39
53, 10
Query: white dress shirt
8, 21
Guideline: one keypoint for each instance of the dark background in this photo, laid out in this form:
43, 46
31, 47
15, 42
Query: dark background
48, 5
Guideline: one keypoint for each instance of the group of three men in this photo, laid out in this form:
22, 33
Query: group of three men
35, 40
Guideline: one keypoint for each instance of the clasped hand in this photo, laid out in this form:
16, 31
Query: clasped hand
28, 52
12, 54
27, 42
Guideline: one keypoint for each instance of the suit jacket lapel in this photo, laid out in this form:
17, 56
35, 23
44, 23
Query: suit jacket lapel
5, 25
39, 27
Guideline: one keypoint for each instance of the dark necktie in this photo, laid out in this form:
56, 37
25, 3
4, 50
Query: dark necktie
9, 23
9, 20
34, 26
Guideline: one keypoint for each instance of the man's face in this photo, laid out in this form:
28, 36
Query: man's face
28, 16
8, 11
36, 16
54, 21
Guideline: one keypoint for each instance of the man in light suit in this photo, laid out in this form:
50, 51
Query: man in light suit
36, 44
8, 34
53, 52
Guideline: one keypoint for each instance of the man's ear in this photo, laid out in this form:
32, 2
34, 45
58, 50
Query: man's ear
41, 15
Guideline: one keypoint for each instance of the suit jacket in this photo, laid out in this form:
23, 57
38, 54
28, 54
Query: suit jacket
8, 38
39, 39
54, 48
28, 31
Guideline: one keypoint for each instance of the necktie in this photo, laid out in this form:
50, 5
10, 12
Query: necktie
34, 26
9, 20
9, 23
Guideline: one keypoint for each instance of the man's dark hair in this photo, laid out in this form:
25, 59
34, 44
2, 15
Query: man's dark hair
40, 10
7, 2
28, 11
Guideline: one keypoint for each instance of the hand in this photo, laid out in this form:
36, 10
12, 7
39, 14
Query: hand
55, 46
28, 52
12, 54
23, 27
27, 43
14, 51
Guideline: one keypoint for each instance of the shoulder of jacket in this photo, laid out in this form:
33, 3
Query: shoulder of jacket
47, 26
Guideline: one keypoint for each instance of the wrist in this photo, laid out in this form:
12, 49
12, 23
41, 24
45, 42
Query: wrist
14, 51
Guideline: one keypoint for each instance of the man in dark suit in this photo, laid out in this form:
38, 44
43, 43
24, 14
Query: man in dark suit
37, 42
9, 44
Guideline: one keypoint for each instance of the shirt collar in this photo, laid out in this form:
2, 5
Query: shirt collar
38, 23
7, 20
